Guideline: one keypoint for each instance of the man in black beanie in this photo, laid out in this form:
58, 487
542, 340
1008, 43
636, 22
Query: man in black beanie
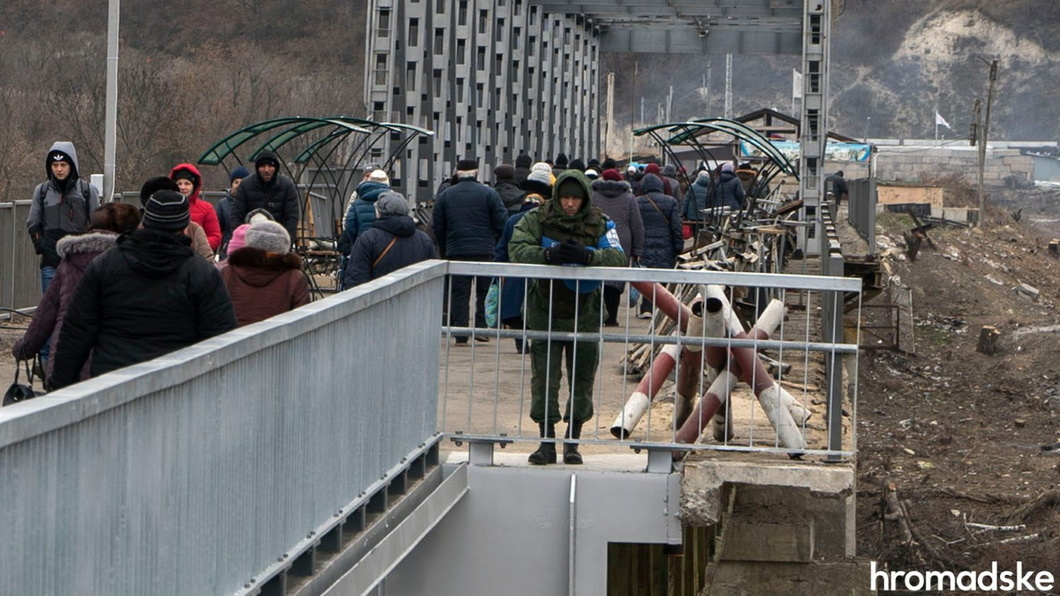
148, 296
267, 189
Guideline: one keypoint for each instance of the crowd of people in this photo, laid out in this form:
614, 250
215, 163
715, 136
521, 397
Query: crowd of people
123, 284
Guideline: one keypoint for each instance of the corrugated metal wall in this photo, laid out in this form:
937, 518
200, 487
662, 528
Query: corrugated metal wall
195, 472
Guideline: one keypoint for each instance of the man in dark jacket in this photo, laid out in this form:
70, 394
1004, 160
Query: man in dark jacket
270, 190
505, 185
837, 185
148, 296
662, 231
468, 218
60, 205
391, 243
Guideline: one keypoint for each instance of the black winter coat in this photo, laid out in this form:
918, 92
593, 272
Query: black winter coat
468, 218
728, 192
279, 197
148, 296
662, 225
511, 195
410, 246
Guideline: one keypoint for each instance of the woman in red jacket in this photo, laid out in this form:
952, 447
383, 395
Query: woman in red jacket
189, 181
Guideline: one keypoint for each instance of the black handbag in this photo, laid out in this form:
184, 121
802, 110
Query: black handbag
21, 392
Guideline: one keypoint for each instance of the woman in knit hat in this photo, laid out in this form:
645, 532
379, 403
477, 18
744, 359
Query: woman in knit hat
391, 243
264, 278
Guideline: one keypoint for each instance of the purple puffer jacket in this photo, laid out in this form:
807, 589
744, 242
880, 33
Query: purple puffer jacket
76, 253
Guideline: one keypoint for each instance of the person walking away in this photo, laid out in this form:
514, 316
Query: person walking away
662, 231
566, 230
189, 183
263, 277
728, 190
468, 218
148, 296
267, 189
614, 197
199, 243
696, 200
224, 210
393, 242
360, 215
505, 185
522, 168
837, 185
76, 251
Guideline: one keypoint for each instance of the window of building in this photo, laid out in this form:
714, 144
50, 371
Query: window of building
380, 69
461, 49
480, 58
439, 42
483, 21
437, 78
461, 13
414, 32
383, 30
499, 31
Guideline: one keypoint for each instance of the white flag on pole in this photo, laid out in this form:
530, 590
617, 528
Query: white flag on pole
940, 121
796, 84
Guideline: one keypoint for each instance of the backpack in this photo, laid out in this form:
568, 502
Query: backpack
85, 194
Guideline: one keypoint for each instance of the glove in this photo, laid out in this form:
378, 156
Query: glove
552, 255
574, 254
35, 238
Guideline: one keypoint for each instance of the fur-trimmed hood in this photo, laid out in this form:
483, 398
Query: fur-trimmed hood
91, 242
611, 188
258, 268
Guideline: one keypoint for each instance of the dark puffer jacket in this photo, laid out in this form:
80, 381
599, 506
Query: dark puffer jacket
410, 246
662, 224
148, 296
264, 284
361, 214
278, 196
728, 192
468, 218
76, 253
615, 198
698, 196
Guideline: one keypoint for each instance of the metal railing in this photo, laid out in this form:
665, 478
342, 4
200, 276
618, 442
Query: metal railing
209, 470
485, 391
213, 468
19, 265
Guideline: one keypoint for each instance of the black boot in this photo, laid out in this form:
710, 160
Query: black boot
546, 452
570, 450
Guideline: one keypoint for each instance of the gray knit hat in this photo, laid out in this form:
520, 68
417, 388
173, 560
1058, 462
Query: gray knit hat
391, 203
269, 236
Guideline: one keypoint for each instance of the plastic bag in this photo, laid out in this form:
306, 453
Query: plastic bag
493, 299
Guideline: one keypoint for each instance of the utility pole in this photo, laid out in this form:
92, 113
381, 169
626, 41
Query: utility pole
983, 135
609, 110
728, 85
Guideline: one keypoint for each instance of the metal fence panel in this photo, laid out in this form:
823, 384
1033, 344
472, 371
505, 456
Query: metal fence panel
194, 472
19, 265
485, 391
